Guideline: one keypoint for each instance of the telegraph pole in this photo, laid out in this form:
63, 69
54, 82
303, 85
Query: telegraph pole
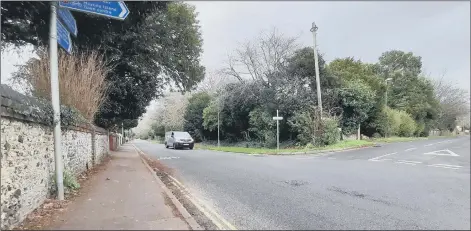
316, 60
54, 66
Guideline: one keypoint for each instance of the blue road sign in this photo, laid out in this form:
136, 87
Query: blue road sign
63, 37
110, 9
69, 21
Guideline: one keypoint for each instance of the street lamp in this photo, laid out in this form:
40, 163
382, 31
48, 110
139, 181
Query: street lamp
316, 61
386, 96
386, 99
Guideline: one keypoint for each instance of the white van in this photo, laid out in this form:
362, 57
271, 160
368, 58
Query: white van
177, 140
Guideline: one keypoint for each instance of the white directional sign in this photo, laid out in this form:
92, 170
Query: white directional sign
110, 9
277, 118
444, 152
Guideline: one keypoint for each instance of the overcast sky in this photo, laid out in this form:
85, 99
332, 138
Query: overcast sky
437, 31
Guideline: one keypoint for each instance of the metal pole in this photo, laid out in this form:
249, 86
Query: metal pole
277, 133
386, 102
218, 129
386, 94
316, 60
54, 66
122, 132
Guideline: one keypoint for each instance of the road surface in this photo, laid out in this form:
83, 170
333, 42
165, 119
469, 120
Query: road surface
411, 185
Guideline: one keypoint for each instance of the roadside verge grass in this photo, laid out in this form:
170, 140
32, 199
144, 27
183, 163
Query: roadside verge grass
398, 139
394, 139
286, 151
342, 145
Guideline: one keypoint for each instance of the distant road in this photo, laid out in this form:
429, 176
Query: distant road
412, 185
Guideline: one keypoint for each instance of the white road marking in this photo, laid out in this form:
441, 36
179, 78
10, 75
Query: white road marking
448, 165
169, 158
307, 158
399, 162
410, 161
381, 160
376, 158
445, 166
410, 149
444, 152
445, 141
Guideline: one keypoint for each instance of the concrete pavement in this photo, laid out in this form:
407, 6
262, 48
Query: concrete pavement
356, 189
124, 196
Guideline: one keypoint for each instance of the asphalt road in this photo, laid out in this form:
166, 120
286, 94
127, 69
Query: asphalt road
411, 185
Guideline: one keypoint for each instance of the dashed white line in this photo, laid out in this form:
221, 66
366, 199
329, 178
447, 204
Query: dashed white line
169, 158
376, 158
410, 149
449, 165
398, 162
409, 162
381, 160
445, 141
445, 166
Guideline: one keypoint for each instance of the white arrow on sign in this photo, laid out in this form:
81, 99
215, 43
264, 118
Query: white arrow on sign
124, 9
277, 118
444, 152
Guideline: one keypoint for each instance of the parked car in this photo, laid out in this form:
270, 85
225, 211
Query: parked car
177, 140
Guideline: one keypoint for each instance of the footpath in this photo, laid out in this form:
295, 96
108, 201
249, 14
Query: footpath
126, 195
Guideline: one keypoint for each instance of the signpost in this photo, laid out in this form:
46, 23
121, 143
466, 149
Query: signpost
110, 9
68, 20
277, 118
63, 37
59, 33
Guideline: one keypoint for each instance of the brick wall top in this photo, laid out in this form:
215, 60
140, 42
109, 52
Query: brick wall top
22, 107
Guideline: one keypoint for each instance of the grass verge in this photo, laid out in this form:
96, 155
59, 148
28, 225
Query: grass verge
398, 139
343, 145
338, 146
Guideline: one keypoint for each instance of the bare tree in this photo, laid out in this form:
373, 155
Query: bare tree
212, 82
173, 111
262, 58
454, 101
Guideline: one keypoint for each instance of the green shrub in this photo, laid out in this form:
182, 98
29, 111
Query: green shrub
309, 146
270, 139
70, 183
330, 134
420, 129
393, 121
407, 126
376, 135
311, 129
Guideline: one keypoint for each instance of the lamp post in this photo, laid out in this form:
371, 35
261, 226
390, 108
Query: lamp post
386, 94
386, 101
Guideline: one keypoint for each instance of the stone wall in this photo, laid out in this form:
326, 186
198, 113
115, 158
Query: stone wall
27, 155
